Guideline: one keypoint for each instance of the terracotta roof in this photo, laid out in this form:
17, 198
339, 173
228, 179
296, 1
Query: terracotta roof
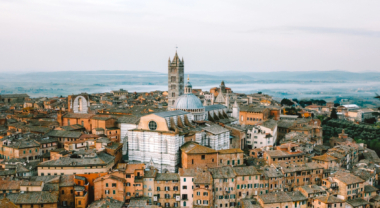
280, 197
6, 203
132, 167
348, 178
195, 148
230, 151
324, 157
35, 197
329, 199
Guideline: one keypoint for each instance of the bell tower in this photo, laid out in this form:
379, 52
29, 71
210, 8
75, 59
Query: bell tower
175, 79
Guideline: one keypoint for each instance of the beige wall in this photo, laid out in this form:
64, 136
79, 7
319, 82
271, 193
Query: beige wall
72, 170
161, 123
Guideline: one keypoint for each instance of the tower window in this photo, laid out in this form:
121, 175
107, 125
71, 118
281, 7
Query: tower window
173, 87
173, 78
152, 125
173, 94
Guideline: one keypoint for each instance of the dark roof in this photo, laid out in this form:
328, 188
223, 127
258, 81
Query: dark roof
67, 180
245, 171
65, 134
222, 172
369, 188
167, 177
106, 203
101, 159
357, 202
329, 199
78, 115
35, 197
14, 95
214, 107
165, 114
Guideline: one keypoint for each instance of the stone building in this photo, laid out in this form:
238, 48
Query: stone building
167, 190
9, 98
79, 103
283, 200
190, 103
251, 115
87, 162
262, 135
175, 79
157, 139
109, 186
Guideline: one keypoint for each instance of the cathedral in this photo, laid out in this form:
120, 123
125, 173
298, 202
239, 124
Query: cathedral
158, 137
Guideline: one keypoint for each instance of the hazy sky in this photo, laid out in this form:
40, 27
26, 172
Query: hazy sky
211, 35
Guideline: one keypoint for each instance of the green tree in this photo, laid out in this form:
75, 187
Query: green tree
333, 114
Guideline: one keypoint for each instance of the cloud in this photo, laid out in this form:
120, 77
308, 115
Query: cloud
318, 30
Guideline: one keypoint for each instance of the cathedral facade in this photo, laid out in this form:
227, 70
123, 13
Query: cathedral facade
157, 138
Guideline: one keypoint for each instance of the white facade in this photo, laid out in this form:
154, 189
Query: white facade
162, 149
261, 136
186, 191
80, 104
124, 129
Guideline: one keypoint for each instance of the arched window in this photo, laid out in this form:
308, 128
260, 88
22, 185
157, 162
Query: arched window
173, 94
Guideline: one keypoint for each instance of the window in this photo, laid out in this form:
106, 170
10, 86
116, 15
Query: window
114, 192
128, 184
205, 193
106, 184
203, 157
152, 125
184, 179
198, 193
114, 185
36, 150
63, 192
107, 191
184, 187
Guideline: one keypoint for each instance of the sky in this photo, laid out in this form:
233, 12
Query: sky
211, 35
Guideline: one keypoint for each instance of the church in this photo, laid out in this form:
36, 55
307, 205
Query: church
158, 137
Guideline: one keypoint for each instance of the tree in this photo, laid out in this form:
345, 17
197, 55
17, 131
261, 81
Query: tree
333, 114
287, 102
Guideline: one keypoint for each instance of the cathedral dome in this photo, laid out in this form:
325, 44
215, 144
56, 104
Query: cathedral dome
188, 102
